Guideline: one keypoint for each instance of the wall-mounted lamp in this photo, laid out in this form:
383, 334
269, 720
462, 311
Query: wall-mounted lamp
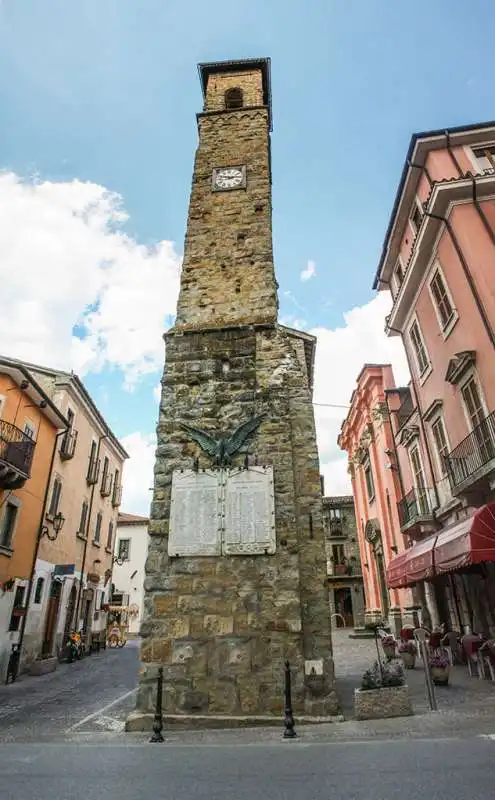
118, 560
58, 524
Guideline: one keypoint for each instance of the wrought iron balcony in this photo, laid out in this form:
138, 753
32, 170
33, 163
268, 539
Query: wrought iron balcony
106, 485
117, 495
335, 528
16, 456
93, 472
416, 506
68, 445
474, 457
343, 570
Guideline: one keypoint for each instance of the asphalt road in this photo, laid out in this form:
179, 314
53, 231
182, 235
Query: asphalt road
383, 770
75, 697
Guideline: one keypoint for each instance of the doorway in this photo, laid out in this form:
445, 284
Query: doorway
343, 607
51, 617
71, 606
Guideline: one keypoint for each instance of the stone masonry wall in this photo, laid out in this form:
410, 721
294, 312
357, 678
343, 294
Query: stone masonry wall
222, 627
228, 276
250, 81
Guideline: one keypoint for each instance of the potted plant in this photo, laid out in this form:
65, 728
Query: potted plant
439, 668
383, 693
389, 645
407, 650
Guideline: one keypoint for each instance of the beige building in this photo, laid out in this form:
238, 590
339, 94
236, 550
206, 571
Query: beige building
131, 550
72, 578
345, 574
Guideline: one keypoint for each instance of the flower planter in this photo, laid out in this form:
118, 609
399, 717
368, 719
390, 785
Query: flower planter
391, 701
408, 659
440, 675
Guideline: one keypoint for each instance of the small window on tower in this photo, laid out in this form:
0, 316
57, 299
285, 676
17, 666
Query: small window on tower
233, 98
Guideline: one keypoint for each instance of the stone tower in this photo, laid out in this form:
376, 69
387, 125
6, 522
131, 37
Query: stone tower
236, 573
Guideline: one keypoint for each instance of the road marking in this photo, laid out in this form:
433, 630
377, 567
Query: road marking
101, 711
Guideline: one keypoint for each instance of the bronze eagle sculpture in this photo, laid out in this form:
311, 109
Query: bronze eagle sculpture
223, 448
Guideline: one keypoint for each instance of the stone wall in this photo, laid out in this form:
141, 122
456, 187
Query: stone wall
222, 627
227, 275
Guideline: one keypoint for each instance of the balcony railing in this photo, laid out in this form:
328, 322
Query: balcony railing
16, 456
335, 528
415, 506
471, 457
117, 495
93, 471
106, 485
68, 445
342, 570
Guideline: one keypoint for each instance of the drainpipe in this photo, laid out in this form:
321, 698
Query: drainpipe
394, 445
38, 541
421, 421
467, 275
480, 211
424, 169
88, 521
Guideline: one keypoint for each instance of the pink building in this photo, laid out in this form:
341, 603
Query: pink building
438, 262
367, 437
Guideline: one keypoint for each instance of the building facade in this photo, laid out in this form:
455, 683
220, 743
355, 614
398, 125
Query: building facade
29, 425
131, 550
438, 261
222, 619
345, 575
367, 437
72, 576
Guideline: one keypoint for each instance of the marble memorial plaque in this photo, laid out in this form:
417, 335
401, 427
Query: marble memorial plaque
249, 522
195, 514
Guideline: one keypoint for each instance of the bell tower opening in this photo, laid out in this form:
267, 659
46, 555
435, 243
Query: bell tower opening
233, 98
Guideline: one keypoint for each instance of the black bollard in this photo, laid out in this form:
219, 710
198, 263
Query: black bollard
158, 721
289, 732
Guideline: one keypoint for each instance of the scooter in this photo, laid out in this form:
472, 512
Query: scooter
74, 647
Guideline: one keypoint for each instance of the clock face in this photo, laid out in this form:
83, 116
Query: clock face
228, 177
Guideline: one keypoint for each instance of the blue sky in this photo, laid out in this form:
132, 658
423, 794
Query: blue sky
106, 91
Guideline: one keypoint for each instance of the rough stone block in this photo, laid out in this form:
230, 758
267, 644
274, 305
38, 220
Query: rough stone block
391, 701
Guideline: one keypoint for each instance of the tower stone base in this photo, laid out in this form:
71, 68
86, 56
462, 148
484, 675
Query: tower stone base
222, 626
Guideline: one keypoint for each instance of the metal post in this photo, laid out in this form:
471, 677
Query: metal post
158, 721
289, 732
420, 636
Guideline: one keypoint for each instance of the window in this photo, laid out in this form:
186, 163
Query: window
398, 275
29, 429
124, 549
370, 486
441, 299
485, 156
233, 98
419, 348
97, 533
335, 513
417, 467
441, 444
338, 553
7, 523
15, 619
472, 399
106, 465
83, 520
55, 501
38, 592
416, 216
109, 536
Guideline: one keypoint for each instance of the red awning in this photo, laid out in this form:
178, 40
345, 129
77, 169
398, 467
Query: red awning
414, 564
468, 542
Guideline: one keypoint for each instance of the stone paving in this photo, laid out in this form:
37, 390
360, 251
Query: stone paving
463, 694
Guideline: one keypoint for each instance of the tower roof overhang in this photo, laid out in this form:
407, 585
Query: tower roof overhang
241, 65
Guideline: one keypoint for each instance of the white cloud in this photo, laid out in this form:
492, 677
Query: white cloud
157, 392
308, 272
138, 473
65, 260
340, 355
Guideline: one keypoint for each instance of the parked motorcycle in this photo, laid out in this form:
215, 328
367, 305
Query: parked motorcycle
74, 647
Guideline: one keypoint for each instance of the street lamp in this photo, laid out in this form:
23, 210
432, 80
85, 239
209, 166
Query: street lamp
58, 524
118, 560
